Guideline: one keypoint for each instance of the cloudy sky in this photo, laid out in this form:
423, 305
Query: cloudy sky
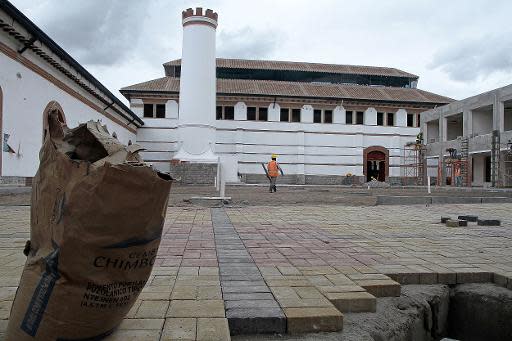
458, 48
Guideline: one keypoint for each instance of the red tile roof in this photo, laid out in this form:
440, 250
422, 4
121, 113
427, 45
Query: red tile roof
302, 66
297, 89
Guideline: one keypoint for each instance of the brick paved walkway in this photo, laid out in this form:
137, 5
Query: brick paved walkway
302, 266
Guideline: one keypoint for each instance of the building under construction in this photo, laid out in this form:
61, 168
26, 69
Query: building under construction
469, 142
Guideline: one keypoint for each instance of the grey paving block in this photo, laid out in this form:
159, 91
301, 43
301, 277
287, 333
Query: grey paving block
256, 321
248, 296
488, 222
253, 304
471, 218
245, 290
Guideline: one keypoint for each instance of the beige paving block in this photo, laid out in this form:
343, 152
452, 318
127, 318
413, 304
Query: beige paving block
154, 296
152, 309
303, 302
213, 329
288, 283
134, 335
179, 329
354, 302
308, 292
7, 293
381, 288
340, 288
133, 309
5, 309
192, 308
306, 320
184, 292
289, 270
209, 293
142, 324
208, 270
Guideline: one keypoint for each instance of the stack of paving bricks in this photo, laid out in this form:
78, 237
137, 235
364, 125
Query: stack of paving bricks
189, 173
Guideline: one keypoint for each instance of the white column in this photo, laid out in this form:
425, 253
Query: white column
137, 106
198, 87
306, 114
274, 112
401, 118
171, 109
240, 111
370, 117
339, 115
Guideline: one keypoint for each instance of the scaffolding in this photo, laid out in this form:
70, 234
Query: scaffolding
412, 164
457, 171
507, 164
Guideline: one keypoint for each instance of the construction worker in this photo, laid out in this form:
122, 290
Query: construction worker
273, 172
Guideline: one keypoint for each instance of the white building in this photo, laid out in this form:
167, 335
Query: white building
323, 120
479, 128
37, 76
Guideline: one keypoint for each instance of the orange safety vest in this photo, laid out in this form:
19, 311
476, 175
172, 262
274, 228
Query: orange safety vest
273, 169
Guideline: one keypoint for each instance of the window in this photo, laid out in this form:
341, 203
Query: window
154, 110
380, 118
251, 113
317, 116
390, 119
418, 120
327, 116
229, 113
285, 115
263, 114
160, 110
348, 117
148, 110
295, 115
410, 120
360, 117
225, 113
322, 116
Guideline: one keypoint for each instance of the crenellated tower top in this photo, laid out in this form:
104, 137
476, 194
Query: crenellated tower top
198, 17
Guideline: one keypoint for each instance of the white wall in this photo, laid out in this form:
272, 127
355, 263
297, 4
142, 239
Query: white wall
26, 95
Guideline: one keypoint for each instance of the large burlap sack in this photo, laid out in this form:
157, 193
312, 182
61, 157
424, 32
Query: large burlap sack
96, 222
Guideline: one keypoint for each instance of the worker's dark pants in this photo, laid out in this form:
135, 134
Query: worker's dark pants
273, 183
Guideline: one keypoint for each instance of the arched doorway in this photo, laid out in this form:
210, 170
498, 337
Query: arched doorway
376, 163
52, 108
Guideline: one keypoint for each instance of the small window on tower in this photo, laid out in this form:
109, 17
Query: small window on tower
160, 110
263, 114
317, 116
328, 116
295, 115
285, 115
219, 113
148, 110
410, 120
380, 118
391, 119
360, 117
348, 117
229, 113
251, 113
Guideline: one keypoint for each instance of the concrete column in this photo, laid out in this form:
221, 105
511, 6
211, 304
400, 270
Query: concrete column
498, 114
401, 118
467, 122
274, 112
370, 117
442, 128
306, 114
171, 109
240, 111
338, 115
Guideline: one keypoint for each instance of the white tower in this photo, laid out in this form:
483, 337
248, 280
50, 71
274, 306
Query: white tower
197, 87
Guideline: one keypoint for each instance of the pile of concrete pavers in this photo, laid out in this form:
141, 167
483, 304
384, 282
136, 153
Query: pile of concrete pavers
463, 221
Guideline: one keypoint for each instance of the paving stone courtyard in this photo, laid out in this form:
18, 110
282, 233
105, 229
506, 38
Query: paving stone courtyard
288, 269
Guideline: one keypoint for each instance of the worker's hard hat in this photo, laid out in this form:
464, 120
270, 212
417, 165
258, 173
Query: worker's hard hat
274, 156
